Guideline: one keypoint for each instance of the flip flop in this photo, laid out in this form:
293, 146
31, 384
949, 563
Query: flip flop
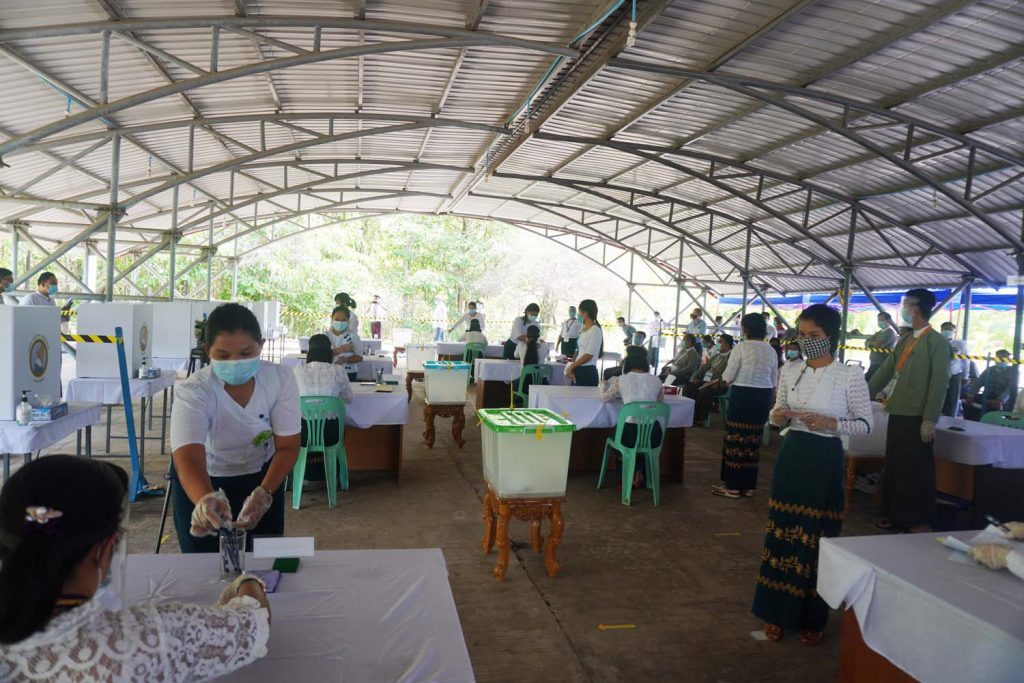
773, 632
749, 493
887, 525
811, 638
724, 492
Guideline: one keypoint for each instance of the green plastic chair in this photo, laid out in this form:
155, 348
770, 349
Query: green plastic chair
316, 410
723, 409
644, 414
1004, 419
537, 375
473, 351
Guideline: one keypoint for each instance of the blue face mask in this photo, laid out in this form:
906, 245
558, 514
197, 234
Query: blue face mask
235, 372
472, 311
9, 288
532, 318
1003, 364
579, 317
339, 325
906, 317
52, 289
792, 354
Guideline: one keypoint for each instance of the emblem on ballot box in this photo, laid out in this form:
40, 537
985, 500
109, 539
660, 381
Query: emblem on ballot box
143, 338
38, 357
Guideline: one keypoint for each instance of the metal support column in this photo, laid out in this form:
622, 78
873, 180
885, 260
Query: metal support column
966, 324
1018, 321
629, 304
234, 267
746, 272
14, 251
173, 257
209, 261
847, 275
113, 211
679, 287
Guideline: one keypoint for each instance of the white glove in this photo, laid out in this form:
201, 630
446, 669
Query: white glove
212, 512
1016, 530
991, 555
253, 509
927, 431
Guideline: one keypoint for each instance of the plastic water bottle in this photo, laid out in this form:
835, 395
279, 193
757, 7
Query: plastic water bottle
23, 414
380, 375
143, 370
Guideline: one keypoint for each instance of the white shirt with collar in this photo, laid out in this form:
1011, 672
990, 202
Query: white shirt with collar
835, 390
571, 329
466, 317
37, 299
590, 344
204, 413
519, 327
697, 328
959, 366
752, 364
349, 336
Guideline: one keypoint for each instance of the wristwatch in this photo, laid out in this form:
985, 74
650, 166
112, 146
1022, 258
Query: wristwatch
237, 583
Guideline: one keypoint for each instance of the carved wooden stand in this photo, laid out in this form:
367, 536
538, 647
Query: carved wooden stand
409, 377
456, 411
497, 512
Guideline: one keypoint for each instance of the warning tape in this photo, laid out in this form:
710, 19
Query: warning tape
92, 338
959, 356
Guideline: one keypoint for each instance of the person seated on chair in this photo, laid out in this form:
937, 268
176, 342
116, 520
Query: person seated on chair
992, 390
320, 376
636, 383
528, 353
684, 364
706, 347
234, 436
63, 548
706, 385
345, 343
473, 335
531, 316
634, 350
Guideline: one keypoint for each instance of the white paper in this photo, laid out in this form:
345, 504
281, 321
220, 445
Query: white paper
301, 546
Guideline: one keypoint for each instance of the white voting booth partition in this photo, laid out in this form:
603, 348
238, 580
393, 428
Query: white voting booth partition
100, 360
30, 356
268, 313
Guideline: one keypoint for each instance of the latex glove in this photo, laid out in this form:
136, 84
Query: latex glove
991, 555
253, 509
927, 431
1016, 530
212, 512
569, 371
778, 417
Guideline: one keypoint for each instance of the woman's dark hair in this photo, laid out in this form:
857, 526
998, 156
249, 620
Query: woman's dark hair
636, 361
343, 299
342, 309
754, 326
319, 349
534, 308
727, 338
827, 318
532, 353
588, 306
232, 318
37, 560
689, 338
636, 351
474, 325
925, 301
708, 338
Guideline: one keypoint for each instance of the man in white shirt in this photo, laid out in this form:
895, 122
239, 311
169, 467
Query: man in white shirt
654, 329
569, 334
698, 328
770, 332
377, 312
958, 369
6, 284
46, 289
440, 318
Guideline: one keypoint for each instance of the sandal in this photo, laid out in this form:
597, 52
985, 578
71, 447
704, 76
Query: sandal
725, 493
749, 493
773, 632
887, 525
811, 638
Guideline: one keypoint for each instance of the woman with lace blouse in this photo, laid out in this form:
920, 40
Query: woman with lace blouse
321, 377
636, 383
62, 551
821, 401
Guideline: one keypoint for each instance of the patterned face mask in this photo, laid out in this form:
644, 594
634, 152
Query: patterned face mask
814, 348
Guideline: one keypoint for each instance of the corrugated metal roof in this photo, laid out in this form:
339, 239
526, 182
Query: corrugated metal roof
643, 155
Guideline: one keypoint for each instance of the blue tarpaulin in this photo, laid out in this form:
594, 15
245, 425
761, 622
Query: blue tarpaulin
1004, 299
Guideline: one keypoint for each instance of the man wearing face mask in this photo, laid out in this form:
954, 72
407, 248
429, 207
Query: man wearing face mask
993, 388
530, 317
880, 343
569, 335
654, 339
6, 284
46, 289
706, 385
958, 369
628, 331
920, 368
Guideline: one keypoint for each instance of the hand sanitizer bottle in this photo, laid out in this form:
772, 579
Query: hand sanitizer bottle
23, 414
143, 370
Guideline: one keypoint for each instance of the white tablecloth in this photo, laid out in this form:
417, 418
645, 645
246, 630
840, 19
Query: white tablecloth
584, 408
15, 438
108, 391
369, 407
978, 444
936, 619
345, 615
495, 370
171, 365
457, 348
374, 345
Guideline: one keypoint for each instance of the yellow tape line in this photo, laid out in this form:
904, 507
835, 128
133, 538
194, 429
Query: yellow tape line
615, 627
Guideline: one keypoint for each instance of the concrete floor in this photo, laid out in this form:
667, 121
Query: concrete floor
683, 573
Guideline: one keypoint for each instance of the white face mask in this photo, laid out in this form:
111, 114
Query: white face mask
110, 593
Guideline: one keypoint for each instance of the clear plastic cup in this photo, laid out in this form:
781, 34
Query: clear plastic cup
232, 553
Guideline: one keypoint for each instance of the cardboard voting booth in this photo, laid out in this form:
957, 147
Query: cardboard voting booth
100, 360
30, 356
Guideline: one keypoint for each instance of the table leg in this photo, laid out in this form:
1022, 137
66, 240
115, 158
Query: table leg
26, 458
142, 436
78, 443
554, 539
501, 568
408, 385
536, 538
429, 432
88, 442
163, 426
458, 424
489, 522
151, 420
109, 409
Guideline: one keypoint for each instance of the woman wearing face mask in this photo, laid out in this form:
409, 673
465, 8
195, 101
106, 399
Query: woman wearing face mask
583, 369
821, 400
518, 335
345, 343
63, 550
792, 353
343, 300
234, 436
471, 314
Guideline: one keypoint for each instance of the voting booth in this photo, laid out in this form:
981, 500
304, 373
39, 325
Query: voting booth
29, 356
268, 313
100, 360
173, 324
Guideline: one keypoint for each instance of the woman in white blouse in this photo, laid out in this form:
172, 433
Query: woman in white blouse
345, 342
234, 437
821, 401
635, 384
751, 374
63, 552
320, 377
583, 369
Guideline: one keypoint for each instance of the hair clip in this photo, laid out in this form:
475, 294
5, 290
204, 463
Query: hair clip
42, 518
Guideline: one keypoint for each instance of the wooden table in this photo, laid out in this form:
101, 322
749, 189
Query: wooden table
858, 662
456, 411
374, 430
497, 513
410, 377
588, 447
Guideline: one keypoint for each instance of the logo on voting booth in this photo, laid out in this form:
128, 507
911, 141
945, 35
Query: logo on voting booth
143, 338
38, 357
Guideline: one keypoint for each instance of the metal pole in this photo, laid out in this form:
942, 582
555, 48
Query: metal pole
629, 305
1018, 321
209, 261
746, 272
968, 294
679, 287
847, 278
14, 251
234, 268
174, 243
115, 170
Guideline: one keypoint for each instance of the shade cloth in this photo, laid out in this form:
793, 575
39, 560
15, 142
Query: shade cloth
15, 438
345, 615
108, 390
584, 408
978, 444
493, 370
457, 348
935, 619
369, 407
